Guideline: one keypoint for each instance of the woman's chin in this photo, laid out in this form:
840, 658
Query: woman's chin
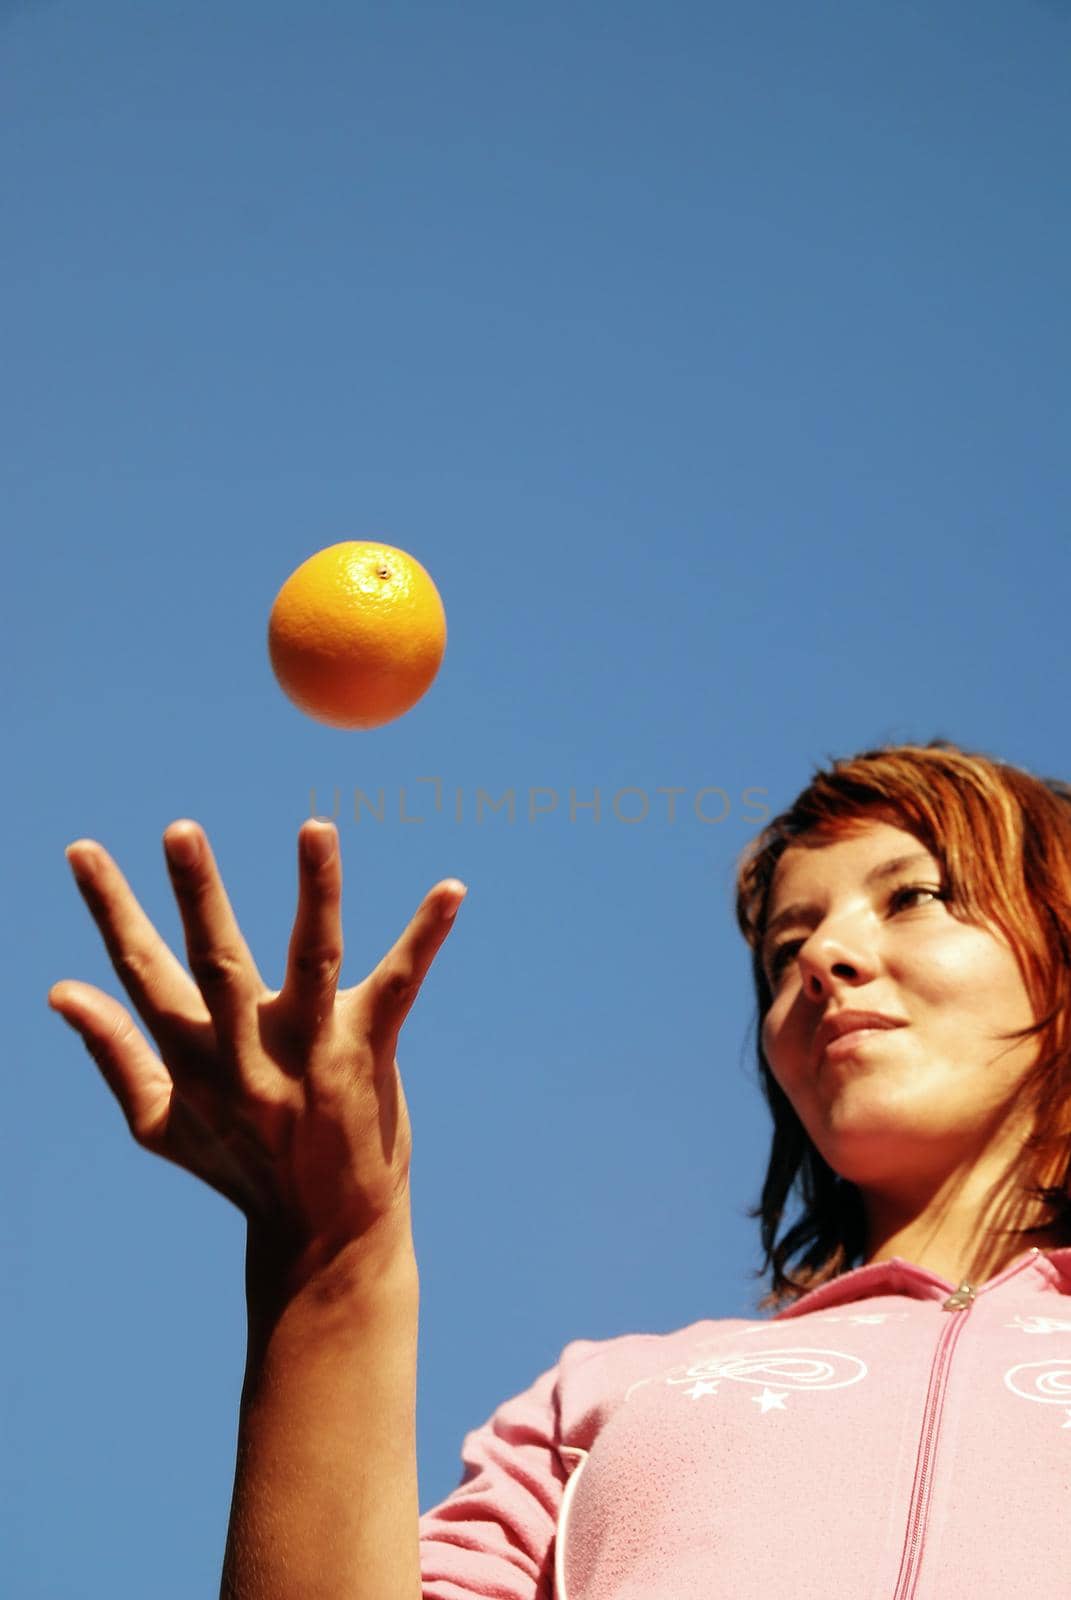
872, 1149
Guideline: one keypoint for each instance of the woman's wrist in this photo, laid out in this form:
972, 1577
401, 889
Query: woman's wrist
323, 1287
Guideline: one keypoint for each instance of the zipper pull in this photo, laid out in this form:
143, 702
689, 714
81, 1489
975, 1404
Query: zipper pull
960, 1300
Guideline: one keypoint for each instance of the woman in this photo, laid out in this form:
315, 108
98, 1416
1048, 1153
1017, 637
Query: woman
895, 1429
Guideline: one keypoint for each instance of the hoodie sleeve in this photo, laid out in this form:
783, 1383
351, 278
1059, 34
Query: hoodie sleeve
492, 1538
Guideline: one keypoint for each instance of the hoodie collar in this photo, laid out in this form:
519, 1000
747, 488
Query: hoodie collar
897, 1276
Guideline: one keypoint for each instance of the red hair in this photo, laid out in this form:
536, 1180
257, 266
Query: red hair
1003, 839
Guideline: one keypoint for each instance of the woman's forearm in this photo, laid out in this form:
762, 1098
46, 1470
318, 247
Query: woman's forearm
325, 1503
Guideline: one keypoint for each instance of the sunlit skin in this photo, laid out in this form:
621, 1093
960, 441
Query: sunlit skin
926, 1118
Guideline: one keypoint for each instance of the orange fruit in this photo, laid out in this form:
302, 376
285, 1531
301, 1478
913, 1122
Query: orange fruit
356, 634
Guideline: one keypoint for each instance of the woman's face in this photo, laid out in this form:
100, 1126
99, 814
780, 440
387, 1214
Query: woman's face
908, 1103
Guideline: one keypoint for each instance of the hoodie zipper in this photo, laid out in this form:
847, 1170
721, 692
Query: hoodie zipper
960, 1300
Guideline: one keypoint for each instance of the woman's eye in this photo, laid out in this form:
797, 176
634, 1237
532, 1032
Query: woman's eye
784, 952
916, 888
781, 955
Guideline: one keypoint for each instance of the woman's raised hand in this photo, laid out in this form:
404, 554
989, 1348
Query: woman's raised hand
289, 1103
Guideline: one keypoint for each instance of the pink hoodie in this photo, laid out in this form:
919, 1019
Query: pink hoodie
883, 1437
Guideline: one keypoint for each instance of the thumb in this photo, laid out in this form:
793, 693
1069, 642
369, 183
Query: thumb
397, 979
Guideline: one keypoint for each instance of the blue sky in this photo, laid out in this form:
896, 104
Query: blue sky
713, 359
